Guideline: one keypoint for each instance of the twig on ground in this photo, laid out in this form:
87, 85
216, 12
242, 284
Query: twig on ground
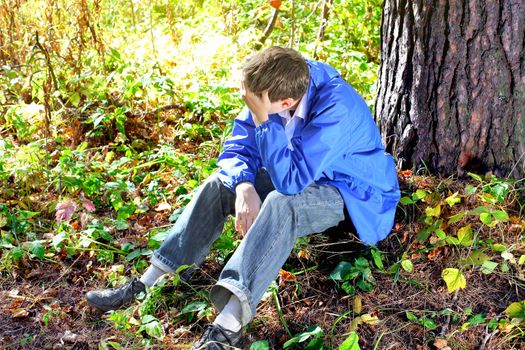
445, 326
487, 337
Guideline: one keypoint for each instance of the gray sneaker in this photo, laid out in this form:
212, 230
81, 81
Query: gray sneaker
217, 338
115, 298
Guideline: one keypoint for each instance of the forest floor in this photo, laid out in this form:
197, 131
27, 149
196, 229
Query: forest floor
101, 146
42, 303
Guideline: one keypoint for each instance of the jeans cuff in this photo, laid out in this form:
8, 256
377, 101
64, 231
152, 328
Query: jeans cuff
163, 263
223, 289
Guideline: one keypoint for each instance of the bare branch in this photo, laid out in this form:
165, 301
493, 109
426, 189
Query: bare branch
268, 30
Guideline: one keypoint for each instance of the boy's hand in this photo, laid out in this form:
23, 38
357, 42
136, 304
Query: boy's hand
259, 106
247, 206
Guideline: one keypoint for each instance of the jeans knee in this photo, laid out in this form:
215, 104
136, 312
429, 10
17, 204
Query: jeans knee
278, 202
213, 181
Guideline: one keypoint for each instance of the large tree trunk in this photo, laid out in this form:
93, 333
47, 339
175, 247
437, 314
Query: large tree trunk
452, 85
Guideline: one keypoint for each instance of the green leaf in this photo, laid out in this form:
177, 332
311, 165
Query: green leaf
148, 318
138, 252
156, 240
411, 316
419, 194
488, 267
456, 218
194, 307
313, 331
480, 210
365, 286
452, 240
454, 279
394, 269
37, 250
361, 263
499, 247
492, 324
477, 258
422, 236
407, 265
435, 212
315, 344
260, 345
376, 256
475, 177
441, 234
153, 329
500, 191
428, 323
446, 311
406, 201
16, 253
453, 199
465, 235
521, 260
224, 243
125, 211
348, 288
469, 189
501, 215
57, 240
340, 271
516, 310
487, 197
120, 225
350, 343
476, 319
485, 218
75, 99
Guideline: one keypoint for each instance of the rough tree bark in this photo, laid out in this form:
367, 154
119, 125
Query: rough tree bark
452, 85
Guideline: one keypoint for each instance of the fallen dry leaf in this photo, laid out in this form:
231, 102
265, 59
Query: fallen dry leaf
441, 343
304, 254
163, 206
84, 220
287, 276
19, 313
70, 337
75, 225
434, 253
64, 210
358, 304
88, 205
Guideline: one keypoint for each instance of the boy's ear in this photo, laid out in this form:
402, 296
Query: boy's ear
288, 102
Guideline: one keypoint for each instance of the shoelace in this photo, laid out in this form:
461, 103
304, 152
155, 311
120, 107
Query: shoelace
213, 329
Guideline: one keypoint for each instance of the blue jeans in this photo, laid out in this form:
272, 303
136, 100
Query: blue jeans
265, 248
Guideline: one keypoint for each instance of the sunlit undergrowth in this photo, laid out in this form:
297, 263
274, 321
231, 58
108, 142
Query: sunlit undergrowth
113, 111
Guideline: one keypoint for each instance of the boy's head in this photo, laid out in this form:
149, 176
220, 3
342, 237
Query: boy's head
281, 71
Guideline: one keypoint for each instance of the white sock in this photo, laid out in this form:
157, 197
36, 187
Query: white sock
230, 316
152, 274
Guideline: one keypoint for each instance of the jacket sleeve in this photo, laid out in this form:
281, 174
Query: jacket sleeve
324, 139
240, 161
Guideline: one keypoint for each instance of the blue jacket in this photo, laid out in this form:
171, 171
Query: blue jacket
338, 143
